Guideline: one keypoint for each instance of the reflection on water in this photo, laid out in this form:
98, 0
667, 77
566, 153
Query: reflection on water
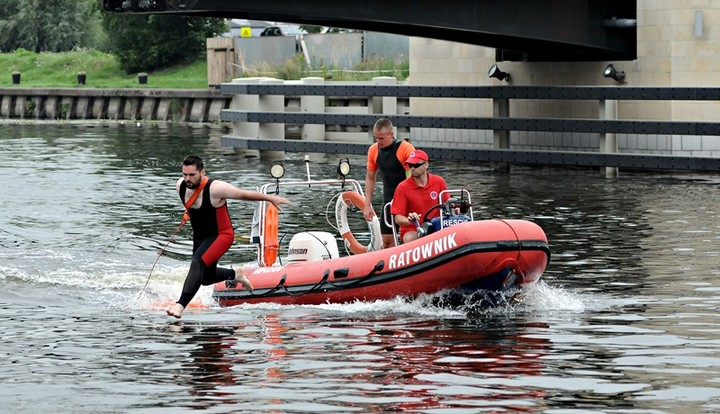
624, 320
361, 362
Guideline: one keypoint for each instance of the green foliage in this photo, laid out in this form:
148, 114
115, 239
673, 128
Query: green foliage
297, 68
59, 70
149, 42
382, 66
95, 36
41, 25
311, 28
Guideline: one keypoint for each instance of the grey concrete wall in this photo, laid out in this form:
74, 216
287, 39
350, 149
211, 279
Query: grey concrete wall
112, 104
331, 50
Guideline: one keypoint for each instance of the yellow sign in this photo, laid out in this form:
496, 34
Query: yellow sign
245, 31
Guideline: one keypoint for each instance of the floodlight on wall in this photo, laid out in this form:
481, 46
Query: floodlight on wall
496, 73
611, 72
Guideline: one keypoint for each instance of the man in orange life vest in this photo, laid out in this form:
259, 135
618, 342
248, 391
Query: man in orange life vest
212, 230
388, 156
416, 196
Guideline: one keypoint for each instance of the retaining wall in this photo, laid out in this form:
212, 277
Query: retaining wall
192, 105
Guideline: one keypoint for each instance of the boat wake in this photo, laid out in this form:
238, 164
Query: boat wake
120, 289
537, 298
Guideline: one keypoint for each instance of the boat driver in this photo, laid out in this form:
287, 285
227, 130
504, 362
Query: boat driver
416, 195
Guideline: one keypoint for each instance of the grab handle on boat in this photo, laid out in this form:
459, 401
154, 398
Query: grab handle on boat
325, 276
315, 288
341, 273
380, 265
280, 285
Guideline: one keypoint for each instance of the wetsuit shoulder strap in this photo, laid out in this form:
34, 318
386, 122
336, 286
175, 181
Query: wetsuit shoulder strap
194, 197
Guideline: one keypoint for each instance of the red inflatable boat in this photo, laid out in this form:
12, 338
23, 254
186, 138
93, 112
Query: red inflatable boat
493, 255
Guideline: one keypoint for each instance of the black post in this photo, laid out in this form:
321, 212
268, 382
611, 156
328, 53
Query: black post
81, 76
142, 78
16, 78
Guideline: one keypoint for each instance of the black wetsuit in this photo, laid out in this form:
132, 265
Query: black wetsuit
212, 236
393, 173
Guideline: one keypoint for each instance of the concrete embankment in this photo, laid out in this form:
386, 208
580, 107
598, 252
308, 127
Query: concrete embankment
191, 105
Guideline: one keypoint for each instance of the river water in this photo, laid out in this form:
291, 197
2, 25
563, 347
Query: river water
625, 319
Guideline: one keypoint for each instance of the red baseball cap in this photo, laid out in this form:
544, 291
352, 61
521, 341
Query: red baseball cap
417, 156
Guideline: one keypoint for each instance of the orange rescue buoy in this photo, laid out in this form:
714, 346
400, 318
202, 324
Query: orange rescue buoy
355, 199
270, 235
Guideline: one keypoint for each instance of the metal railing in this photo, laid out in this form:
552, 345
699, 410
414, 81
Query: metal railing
607, 124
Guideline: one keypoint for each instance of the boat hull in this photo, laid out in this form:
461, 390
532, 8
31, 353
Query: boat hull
491, 255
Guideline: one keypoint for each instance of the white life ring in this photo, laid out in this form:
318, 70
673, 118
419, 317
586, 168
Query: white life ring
354, 198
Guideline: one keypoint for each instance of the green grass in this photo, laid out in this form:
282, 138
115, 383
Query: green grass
59, 70
296, 68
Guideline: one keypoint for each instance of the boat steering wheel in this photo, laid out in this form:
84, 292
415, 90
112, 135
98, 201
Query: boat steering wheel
425, 226
425, 217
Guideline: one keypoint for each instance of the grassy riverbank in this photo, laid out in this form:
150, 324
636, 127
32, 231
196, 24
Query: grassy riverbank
59, 70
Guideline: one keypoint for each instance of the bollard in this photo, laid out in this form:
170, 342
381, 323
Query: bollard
81, 76
16, 78
142, 78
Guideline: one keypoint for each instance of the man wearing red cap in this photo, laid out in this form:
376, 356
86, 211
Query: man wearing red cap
416, 196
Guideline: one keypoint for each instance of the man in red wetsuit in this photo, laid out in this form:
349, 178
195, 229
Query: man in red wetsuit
416, 196
212, 230
388, 156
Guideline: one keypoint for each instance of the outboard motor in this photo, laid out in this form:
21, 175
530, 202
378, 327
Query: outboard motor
311, 246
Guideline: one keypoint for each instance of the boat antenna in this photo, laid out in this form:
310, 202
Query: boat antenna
307, 167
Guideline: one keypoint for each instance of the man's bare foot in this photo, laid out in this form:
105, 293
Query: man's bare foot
240, 277
176, 310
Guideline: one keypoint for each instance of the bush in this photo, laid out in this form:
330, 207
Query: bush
297, 68
150, 42
44, 26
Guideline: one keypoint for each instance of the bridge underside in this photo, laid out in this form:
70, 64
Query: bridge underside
522, 30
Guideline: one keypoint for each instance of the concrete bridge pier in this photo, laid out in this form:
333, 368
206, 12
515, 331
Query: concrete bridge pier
271, 103
608, 140
313, 104
501, 139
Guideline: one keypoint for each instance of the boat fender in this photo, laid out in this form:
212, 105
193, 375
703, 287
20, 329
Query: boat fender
270, 236
354, 198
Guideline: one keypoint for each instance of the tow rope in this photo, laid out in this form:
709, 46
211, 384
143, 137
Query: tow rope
185, 218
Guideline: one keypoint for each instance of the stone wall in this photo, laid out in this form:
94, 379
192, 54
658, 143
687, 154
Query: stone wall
112, 104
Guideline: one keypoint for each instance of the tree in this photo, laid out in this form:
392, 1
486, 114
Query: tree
149, 42
311, 28
43, 26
